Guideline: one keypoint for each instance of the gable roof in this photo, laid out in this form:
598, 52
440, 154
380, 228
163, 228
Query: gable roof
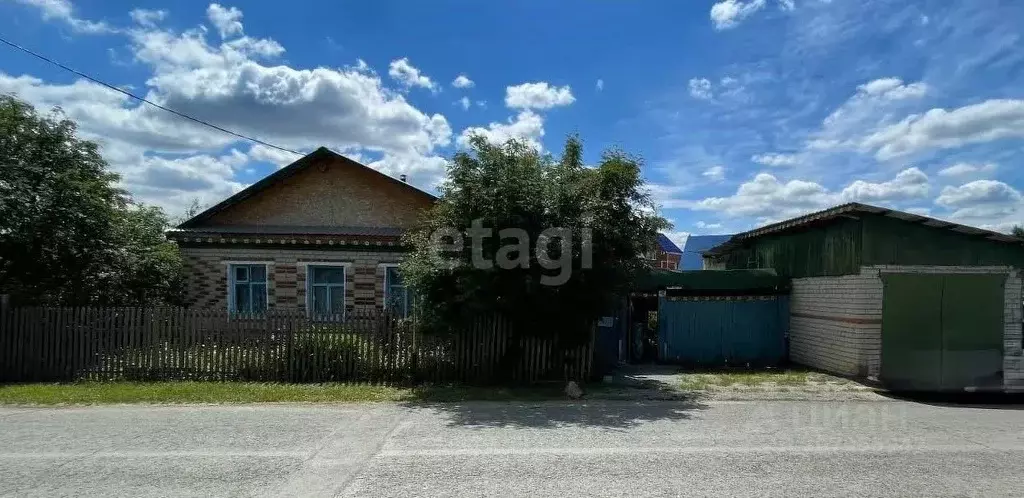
318, 155
694, 247
852, 209
666, 245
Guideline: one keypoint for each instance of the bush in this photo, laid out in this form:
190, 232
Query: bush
324, 357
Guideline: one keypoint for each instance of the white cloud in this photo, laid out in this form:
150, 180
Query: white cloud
538, 95
872, 106
148, 18
990, 202
173, 182
775, 159
599, 86
298, 108
768, 199
977, 192
465, 103
667, 195
714, 173
967, 169
63, 10
462, 81
228, 21
700, 88
941, 129
260, 152
427, 172
527, 126
362, 66
728, 13
404, 72
708, 226
910, 183
893, 88
238, 84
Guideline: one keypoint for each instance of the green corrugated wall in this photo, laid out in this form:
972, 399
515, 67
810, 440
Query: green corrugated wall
889, 241
841, 247
832, 249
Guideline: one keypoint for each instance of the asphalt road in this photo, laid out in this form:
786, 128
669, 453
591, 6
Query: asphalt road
778, 448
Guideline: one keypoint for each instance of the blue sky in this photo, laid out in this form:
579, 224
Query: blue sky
744, 111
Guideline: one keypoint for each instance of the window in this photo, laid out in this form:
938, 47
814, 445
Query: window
325, 290
397, 298
248, 290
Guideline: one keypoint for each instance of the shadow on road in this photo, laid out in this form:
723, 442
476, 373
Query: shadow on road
609, 414
632, 397
993, 401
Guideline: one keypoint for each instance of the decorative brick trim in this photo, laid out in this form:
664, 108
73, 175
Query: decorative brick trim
843, 319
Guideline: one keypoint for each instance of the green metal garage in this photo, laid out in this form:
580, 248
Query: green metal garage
914, 302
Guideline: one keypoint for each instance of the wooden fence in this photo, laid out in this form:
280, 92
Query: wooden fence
140, 344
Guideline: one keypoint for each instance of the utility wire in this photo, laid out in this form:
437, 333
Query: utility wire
141, 99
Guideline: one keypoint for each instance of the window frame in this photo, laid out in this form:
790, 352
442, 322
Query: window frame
231, 280
310, 267
387, 290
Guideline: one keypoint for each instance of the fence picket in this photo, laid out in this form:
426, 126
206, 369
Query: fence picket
157, 343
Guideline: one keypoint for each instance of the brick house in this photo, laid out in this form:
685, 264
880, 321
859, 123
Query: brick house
916, 302
666, 254
322, 233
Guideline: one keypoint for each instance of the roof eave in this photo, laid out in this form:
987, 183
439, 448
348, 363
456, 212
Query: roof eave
830, 214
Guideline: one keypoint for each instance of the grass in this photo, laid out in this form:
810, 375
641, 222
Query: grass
779, 378
98, 393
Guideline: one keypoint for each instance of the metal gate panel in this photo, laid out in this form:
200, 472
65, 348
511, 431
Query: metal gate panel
912, 331
723, 331
972, 331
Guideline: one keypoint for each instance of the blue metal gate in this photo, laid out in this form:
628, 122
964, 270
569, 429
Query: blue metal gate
723, 330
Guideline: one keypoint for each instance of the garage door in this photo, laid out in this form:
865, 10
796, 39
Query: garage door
942, 332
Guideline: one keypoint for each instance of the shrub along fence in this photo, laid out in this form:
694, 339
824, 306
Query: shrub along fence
141, 344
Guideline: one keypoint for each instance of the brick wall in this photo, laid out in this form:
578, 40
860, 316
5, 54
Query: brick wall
207, 274
666, 261
836, 322
333, 193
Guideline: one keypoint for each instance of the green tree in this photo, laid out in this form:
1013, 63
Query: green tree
1017, 231
608, 221
68, 234
193, 208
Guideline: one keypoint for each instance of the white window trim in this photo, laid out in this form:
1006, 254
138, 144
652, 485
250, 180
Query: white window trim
344, 265
307, 264
268, 269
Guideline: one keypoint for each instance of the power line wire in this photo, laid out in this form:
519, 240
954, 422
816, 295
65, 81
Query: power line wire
144, 100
